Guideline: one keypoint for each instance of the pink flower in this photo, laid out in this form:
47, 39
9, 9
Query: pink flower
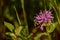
43, 17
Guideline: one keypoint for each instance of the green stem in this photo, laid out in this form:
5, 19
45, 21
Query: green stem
17, 16
48, 34
25, 19
41, 34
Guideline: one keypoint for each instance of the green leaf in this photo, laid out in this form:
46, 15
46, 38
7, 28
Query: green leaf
51, 28
12, 35
18, 30
9, 26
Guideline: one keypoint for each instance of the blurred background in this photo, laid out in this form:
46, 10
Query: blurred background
9, 9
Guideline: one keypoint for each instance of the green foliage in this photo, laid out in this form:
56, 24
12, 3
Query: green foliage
12, 35
9, 26
39, 36
18, 30
50, 28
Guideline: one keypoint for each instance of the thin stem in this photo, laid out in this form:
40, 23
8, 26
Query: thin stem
25, 19
48, 34
41, 34
17, 16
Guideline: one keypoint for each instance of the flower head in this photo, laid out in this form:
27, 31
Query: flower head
44, 17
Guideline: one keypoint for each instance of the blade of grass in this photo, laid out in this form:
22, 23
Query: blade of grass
25, 19
56, 13
17, 16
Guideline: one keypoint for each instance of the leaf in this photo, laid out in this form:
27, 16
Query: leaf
9, 26
12, 35
18, 30
51, 28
